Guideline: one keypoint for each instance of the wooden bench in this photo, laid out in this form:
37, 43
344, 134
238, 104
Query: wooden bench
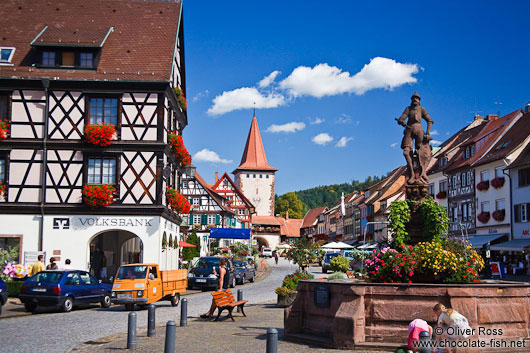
225, 300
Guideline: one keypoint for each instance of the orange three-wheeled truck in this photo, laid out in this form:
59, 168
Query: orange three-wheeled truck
144, 284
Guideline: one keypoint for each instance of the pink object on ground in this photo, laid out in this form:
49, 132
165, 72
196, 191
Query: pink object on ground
415, 327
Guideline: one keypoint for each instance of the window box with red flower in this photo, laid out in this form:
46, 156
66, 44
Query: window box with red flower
4, 129
177, 146
181, 99
499, 215
483, 185
99, 195
100, 134
3, 189
483, 217
177, 202
441, 195
497, 183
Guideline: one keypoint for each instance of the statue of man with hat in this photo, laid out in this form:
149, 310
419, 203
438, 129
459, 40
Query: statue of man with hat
414, 132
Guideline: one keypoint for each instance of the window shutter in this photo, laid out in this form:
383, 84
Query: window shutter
528, 212
233, 222
217, 219
517, 213
204, 219
190, 219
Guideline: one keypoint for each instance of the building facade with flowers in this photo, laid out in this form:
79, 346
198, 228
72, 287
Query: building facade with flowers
86, 163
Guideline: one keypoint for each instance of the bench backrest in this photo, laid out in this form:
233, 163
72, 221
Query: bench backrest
223, 297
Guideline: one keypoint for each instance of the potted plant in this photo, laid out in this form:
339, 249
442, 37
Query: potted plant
284, 296
101, 134
483, 185
483, 217
177, 202
177, 146
441, 195
4, 129
99, 195
497, 183
499, 215
181, 99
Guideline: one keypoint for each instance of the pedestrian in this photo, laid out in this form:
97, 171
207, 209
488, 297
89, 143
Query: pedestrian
38, 266
415, 327
276, 257
222, 284
449, 318
52, 265
67, 265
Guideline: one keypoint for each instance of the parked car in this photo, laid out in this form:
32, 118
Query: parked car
63, 289
244, 271
327, 261
266, 252
201, 275
3, 294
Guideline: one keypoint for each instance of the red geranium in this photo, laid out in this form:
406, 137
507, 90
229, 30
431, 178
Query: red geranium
4, 129
100, 134
177, 146
499, 215
497, 183
177, 202
98, 195
484, 217
441, 195
483, 185
3, 189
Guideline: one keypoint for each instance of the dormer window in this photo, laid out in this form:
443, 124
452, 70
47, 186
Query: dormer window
86, 59
6, 54
48, 58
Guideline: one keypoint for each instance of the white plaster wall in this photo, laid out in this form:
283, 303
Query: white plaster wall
25, 225
435, 179
19, 114
491, 195
260, 191
75, 113
129, 177
273, 240
519, 195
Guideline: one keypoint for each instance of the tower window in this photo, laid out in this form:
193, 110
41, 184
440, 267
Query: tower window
261, 176
248, 175
267, 176
253, 175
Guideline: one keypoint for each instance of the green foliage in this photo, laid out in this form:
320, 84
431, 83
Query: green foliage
398, 219
339, 264
241, 249
190, 252
291, 281
435, 220
289, 202
13, 288
302, 253
282, 291
337, 275
9, 255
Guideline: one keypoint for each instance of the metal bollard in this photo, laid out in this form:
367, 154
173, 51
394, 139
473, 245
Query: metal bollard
239, 297
151, 320
272, 340
171, 335
425, 337
184, 312
131, 331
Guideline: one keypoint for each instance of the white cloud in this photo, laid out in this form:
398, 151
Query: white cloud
343, 141
324, 80
436, 142
200, 95
344, 119
393, 145
317, 121
322, 139
434, 133
244, 98
268, 80
205, 155
289, 127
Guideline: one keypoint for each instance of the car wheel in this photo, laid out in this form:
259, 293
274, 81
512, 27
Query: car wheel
67, 305
105, 302
324, 270
233, 283
129, 307
252, 278
175, 300
30, 307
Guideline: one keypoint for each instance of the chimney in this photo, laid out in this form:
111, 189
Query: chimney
527, 108
216, 177
479, 117
492, 117
287, 214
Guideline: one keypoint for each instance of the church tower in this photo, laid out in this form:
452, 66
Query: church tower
254, 176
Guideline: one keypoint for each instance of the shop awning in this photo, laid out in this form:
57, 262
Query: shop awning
512, 245
478, 241
183, 244
230, 233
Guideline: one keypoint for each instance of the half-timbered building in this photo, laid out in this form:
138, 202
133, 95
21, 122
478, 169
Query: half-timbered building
236, 200
68, 64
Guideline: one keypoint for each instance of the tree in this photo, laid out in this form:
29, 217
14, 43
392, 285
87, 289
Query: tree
302, 253
190, 252
290, 202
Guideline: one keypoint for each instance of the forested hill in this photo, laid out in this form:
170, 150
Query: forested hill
328, 195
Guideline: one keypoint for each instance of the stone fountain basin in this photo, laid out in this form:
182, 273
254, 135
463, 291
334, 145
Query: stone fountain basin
376, 315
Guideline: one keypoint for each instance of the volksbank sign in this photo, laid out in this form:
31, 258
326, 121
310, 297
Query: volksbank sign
64, 223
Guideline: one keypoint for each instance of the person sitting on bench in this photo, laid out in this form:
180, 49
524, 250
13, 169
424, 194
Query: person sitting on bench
223, 285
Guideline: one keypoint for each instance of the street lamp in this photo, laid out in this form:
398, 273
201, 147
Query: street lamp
190, 170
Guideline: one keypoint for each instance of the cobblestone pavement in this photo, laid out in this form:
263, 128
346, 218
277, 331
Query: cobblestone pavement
60, 332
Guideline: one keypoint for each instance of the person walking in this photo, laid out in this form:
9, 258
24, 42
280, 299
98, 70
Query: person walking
276, 257
224, 276
38, 266
52, 265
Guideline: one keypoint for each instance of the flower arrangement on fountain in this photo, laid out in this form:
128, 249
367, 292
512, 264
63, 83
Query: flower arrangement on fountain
436, 259
177, 146
99, 195
290, 282
101, 134
4, 129
177, 202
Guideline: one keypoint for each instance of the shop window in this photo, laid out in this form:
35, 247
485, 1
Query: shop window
11, 243
103, 110
101, 171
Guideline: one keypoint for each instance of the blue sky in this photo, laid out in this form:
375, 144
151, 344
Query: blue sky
328, 79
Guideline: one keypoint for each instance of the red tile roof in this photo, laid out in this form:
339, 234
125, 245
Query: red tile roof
267, 220
218, 198
311, 216
290, 227
140, 48
254, 154
237, 190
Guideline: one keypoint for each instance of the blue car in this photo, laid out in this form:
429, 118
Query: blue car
64, 289
3, 294
327, 261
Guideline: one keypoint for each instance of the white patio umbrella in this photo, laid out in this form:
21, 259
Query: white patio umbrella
337, 245
331, 245
283, 246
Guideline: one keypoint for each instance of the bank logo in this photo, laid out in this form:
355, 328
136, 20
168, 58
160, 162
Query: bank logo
61, 223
